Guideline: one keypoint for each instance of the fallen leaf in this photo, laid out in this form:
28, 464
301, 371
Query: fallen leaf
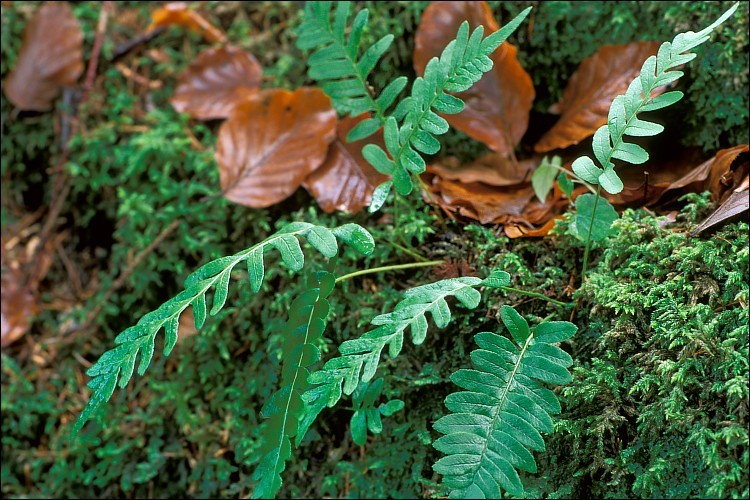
518, 231
17, 307
493, 169
272, 142
737, 203
179, 14
346, 180
720, 175
590, 91
215, 82
498, 105
487, 204
51, 57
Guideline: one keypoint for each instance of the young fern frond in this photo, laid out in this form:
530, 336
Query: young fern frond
360, 357
461, 64
285, 407
608, 141
498, 418
115, 367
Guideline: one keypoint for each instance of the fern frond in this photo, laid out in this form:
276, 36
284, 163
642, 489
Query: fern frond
608, 142
115, 367
344, 78
337, 64
285, 407
498, 418
360, 357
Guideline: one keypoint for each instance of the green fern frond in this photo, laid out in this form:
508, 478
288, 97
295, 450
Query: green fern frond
115, 367
285, 407
360, 357
498, 418
608, 142
461, 64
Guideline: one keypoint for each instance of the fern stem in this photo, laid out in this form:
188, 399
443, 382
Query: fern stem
577, 179
588, 237
414, 254
389, 268
534, 294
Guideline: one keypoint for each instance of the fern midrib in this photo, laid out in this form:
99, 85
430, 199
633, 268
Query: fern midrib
211, 281
501, 402
360, 78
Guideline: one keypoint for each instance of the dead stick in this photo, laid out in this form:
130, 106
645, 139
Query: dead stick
101, 28
127, 272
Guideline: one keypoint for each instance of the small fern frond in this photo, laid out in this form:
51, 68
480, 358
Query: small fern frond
285, 407
608, 142
498, 418
337, 64
115, 367
360, 357
461, 64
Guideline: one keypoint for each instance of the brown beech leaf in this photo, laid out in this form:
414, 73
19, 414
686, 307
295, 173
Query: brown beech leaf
590, 91
215, 82
520, 231
51, 57
178, 13
497, 106
720, 175
737, 203
17, 306
272, 142
487, 204
346, 180
493, 169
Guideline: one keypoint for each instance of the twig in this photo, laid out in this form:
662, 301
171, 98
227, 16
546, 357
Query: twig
126, 47
127, 272
101, 28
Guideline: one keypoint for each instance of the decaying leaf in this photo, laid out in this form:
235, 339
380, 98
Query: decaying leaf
178, 13
215, 82
497, 106
51, 58
493, 169
737, 203
272, 142
346, 180
19, 305
720, 175
520, 231
591, 90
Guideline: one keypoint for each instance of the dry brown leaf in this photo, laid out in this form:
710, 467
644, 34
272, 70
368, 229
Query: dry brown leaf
272, 142
487, 204
178, 13
720, 175
346, 180
519, 231
497, 106
736, 204
215, 82
51, 57
493, 169
18, 306
591, 90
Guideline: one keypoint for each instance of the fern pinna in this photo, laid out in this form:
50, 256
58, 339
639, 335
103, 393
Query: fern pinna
116, 365
285, 407
500, 415
410, 128
360, 357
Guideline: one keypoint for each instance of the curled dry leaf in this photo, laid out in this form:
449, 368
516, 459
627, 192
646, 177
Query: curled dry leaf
346, 180
590, 91
179, 14
215, 82
521, 231
51, 57
736, 204
493, 169
272, 142
720, 175
497, 106
18, 305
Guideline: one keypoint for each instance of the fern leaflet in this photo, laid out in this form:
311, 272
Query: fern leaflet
608, 141
360, 357
504, 408
115, 367
285, 407
461, 64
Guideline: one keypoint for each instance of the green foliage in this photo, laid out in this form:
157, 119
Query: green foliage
304, 329
119, 362
544, 176
608, 142
593, 218
461, 64
504, 408
365, 415
360, 357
